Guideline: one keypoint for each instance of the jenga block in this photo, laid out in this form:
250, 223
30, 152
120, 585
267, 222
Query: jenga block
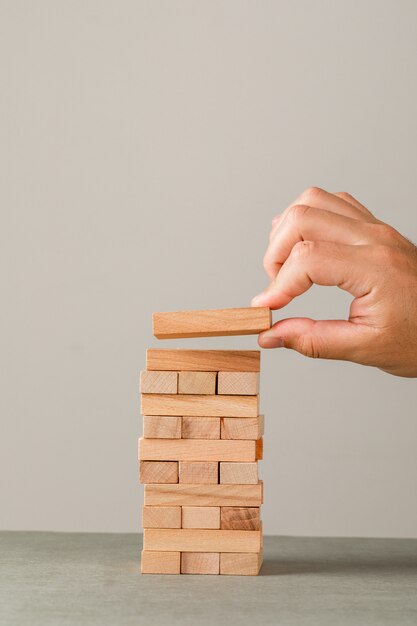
240, 518
204, 360
194, 427
238, 383
158, 382
188, 540
156, 562
204, 495
158, 471
199, 405
241, 563
197, 382
242, 427
198, 450
200, 517
162, 517
161, 427
199, 472
237, 473
211, 322
200, 563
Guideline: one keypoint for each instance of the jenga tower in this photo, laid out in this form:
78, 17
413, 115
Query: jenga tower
202, 440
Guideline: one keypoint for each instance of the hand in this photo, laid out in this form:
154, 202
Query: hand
332, 239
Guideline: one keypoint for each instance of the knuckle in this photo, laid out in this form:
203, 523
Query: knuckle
385, 232
308, 346
344, 195
297, 212
303, 249
312, 194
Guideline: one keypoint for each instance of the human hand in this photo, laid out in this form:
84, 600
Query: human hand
331, 239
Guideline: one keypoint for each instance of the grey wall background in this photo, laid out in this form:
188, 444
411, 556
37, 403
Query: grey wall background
145, 147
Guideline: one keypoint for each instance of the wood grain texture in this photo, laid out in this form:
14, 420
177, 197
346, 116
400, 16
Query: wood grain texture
211, 322
200, 563
158, 382
242, 427
238, 383
196, 540
203, 360
158, 471
163, 517
240, 518
195, 427
201, 517
203, 495
238, 473
203, 383
241, 563
197, 450
199, 405
198, 472
162, 427
157, 562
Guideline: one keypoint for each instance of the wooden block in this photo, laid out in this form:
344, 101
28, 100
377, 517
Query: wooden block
200, 517
242, 427
238, 383
162, 517
156, 562
199, 472
197, 450
162, 427
195, 540
259, 452
200, 563
197, 382
240, 518
158, 382
237, 473
204, 360
204, 495
199, 405
211, 322
194, 427
241, 563
158, 471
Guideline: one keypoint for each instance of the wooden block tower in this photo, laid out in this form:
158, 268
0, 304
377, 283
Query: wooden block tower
202, 440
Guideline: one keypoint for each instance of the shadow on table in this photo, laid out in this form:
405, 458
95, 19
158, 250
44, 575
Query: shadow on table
287, 567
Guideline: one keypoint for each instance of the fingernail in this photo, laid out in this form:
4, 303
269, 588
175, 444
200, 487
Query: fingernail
269, 341
259, 299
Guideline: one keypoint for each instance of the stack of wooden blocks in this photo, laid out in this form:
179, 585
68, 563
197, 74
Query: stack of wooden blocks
202, 439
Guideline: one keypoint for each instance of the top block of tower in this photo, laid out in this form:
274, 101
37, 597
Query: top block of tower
211, 323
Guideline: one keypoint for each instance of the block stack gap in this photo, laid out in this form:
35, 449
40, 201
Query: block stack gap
202, 440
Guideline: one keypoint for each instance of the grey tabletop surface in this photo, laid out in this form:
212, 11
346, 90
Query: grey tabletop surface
77, 579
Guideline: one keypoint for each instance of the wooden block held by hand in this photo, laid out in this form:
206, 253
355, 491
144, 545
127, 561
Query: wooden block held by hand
197, 383
238, 383
158, 382
211, 322
158, 472
237, 473
194, 427
198, 450
199, 472
240, 518
156, 562
162, 517
201, 517
241, 563
200, 563
162, 427
204, 360
188, 540
242, 427
204, 495
199, 405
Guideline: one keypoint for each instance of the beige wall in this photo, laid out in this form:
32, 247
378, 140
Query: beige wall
144, 148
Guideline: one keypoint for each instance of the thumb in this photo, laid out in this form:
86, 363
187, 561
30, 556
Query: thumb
323, 339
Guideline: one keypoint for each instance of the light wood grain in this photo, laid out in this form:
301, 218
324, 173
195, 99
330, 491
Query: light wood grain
195, 427
238, 383
162, 427
237, 473
199, 472
196, 540
197, 383
158, 382
211, 322
158, 471
197, 450
242, 427
157, 562
203, 360
240, 518
203, 495
200, 517
200, 563
241, 563
163, 517
200, 405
